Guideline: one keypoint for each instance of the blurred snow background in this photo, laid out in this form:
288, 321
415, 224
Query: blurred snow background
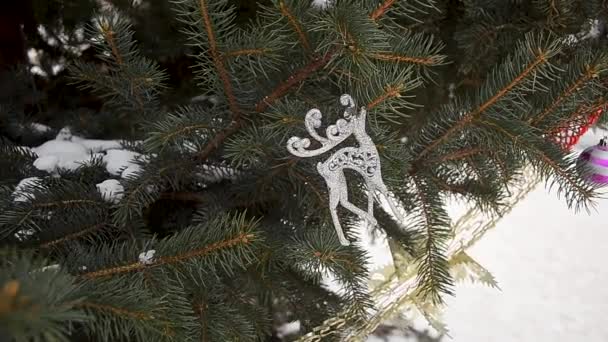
550, 263
551, 266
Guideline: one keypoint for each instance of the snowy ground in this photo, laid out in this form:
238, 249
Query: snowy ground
551, 265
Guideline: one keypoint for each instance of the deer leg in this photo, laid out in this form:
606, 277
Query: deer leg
334, 200
370, 201
362, 214
391, 203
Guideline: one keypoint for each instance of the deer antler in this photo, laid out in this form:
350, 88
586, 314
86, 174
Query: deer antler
336, 133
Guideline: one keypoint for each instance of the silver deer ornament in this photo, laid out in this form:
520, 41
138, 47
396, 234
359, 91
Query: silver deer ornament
363, 159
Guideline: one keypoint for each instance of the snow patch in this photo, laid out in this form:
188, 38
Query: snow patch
593, 31
47, 163
118, 161
40, 128
69, 151
24, 234
146, 258
131, 171
25, 149
67, 155
287, 329
322, 4
22, 191
201, 98
94, 145
111, 190
214, 174
53, 267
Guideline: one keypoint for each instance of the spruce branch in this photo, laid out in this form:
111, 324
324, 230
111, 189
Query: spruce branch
458, 154
391, 92
83, 233
132, 82
144, 187
218, 139
60, 198
302, 74
551, 162
432, 223
318, 251
296, 78
134, 311
295, 24
591, 72
226, 238
185, 126
117, 311
108, 34
278, 92
519, 74
17, 163
218, 60
581, 112
389, 95
36, 299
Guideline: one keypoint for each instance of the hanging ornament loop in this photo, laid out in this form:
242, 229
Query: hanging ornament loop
363, 159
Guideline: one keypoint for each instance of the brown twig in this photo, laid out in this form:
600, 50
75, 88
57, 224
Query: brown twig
243, 238
380, 10
459, 154
66, 203
293, 80
110, 39
296, 26
391, 91
219, 62
73, 236
139, 315
391, 57
245, 52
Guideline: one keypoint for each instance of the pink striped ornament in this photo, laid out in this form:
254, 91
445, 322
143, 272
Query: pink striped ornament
596, 160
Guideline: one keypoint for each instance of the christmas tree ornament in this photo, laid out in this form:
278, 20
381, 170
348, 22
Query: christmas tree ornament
363, 159
596, 160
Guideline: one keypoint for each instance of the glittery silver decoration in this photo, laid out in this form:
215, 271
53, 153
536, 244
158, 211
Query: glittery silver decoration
363, 159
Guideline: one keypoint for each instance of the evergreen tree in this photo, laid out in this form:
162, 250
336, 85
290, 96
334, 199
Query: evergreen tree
208, 229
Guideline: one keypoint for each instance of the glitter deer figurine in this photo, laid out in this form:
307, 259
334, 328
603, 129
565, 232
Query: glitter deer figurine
363, 159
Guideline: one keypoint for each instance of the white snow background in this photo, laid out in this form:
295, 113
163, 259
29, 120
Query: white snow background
550, 263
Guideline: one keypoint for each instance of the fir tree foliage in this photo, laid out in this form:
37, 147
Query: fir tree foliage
221, 234
38, 299
131, 83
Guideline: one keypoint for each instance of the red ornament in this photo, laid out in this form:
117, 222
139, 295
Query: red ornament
567, 136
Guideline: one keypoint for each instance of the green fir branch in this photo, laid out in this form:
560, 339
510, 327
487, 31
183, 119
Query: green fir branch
432, 223
228, 240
